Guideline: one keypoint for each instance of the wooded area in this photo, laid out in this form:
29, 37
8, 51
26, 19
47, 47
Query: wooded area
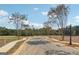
42, 31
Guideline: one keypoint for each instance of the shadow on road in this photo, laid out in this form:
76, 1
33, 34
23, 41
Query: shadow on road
37, 42
55, 52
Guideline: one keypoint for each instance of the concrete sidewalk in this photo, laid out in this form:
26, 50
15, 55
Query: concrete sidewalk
7, 47
21, 47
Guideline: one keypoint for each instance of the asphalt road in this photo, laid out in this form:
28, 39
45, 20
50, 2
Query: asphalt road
38, 46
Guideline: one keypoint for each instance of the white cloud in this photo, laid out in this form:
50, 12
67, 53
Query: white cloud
77, 18
3, 18
44, 13
36, 8
26, 22
37, 26
33, 25
3, 13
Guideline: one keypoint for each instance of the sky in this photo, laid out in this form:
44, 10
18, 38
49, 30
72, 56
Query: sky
35, 13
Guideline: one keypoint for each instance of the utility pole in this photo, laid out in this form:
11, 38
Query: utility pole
70, 35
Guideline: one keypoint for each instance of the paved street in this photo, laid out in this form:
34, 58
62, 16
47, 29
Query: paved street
39, 46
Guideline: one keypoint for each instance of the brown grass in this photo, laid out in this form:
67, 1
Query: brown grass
67, 38
7, 39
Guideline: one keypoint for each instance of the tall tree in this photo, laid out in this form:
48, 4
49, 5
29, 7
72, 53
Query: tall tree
17, 19
58, 16
47, 27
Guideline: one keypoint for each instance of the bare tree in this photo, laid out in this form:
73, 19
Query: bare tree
17, 19
47, 26
58, 16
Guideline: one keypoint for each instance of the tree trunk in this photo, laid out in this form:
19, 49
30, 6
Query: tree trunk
70, 36
17, 34
62, 33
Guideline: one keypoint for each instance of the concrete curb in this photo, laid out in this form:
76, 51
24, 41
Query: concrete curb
21, 47
8, 47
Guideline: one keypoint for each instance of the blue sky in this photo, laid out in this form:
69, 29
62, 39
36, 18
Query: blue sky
73, 17
36, 13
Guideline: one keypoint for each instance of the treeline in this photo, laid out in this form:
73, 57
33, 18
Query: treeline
42, 31
74, 30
